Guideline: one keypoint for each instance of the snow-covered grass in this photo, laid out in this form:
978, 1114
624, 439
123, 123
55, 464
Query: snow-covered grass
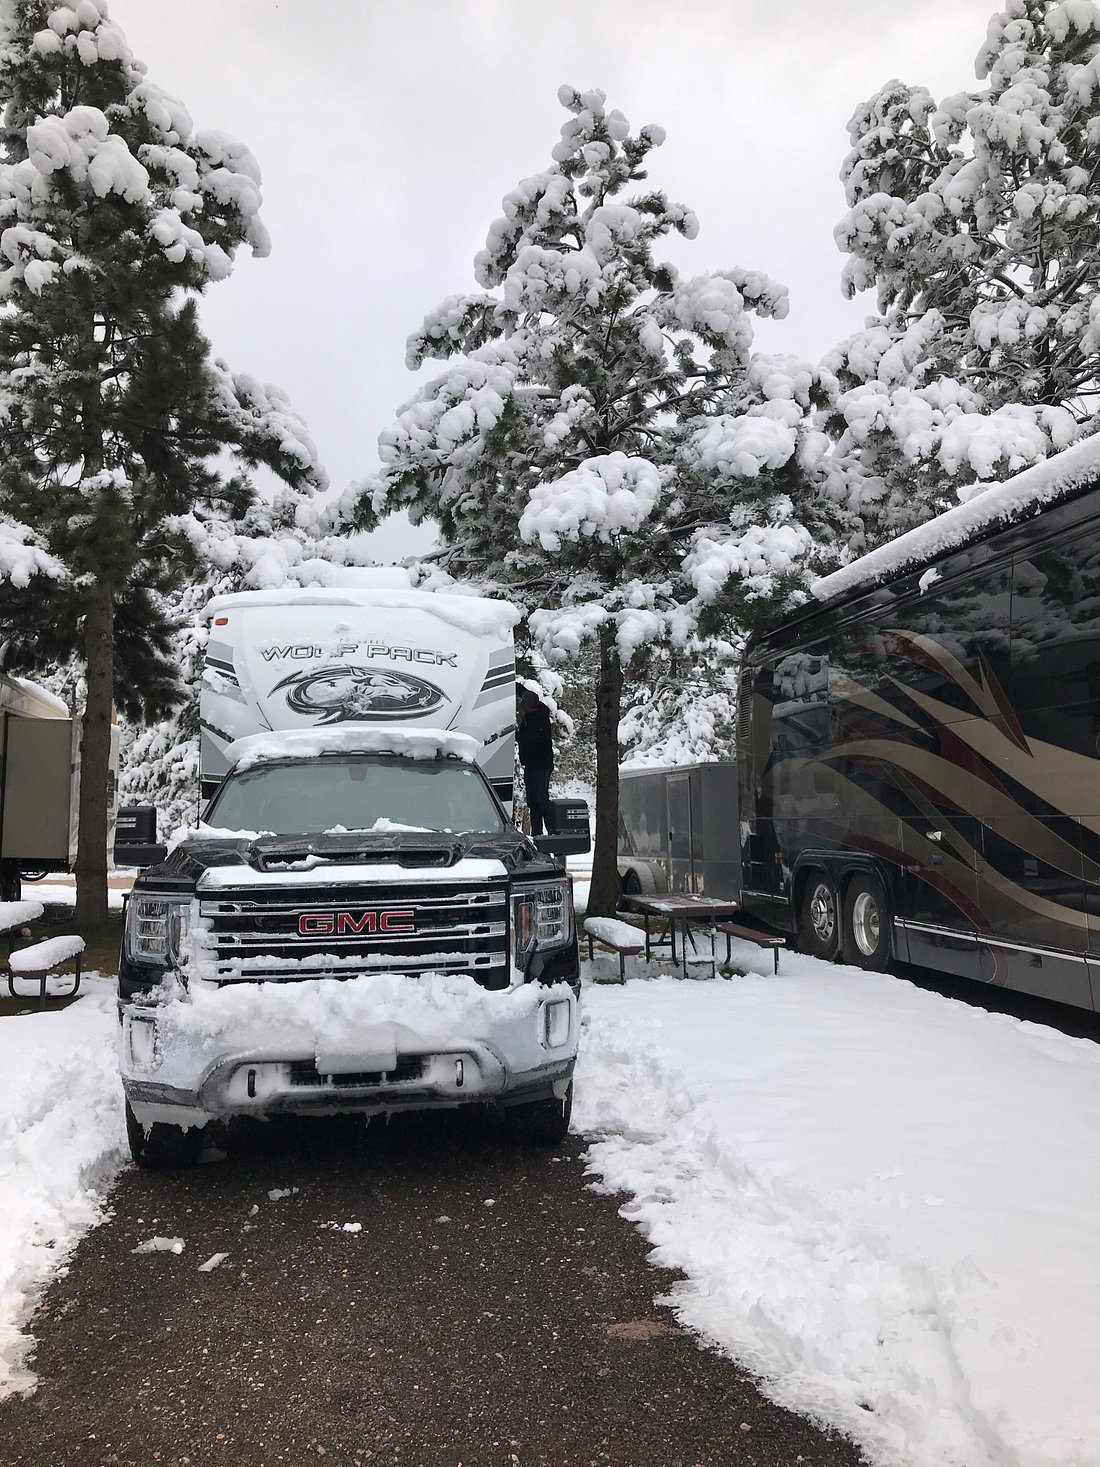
61, 1142
886, 1203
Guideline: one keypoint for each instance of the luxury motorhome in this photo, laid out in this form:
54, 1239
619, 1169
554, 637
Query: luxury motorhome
918, 748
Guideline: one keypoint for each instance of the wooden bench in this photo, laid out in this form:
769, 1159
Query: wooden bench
751, 934
615, 937
39, 960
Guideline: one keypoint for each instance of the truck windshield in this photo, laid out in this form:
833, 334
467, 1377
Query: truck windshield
335, 794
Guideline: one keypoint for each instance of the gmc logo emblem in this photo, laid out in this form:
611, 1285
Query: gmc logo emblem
338, 924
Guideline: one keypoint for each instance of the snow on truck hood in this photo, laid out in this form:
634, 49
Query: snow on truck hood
351, 738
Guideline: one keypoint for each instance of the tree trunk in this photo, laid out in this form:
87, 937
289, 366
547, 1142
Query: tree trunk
603, 898
95, 760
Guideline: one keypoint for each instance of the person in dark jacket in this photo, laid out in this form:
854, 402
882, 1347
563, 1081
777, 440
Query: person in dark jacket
536, 755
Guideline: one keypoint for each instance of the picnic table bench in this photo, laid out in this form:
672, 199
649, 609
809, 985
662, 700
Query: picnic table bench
39, 960
751, 934
617, 937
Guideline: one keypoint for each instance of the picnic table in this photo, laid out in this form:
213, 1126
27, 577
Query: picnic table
671, 908
16, 915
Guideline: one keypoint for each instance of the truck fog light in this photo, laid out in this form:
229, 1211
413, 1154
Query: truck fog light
557, 1023
143, 1043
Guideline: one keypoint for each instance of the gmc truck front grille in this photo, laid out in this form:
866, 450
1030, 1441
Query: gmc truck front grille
339, 932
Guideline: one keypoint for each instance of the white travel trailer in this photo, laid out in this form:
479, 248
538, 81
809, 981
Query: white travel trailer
372, 651
40, 783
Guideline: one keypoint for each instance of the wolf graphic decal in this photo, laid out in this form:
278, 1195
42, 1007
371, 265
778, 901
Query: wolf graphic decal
342, 693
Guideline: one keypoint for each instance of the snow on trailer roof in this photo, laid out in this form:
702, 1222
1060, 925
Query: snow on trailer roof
309, 743
20, 695
475, 614
989, 508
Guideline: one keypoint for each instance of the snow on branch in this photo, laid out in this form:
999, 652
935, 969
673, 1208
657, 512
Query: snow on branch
603, 497
267, 424
757, 556
22, 556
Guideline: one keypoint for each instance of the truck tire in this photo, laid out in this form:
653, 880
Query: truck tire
819, 918
866, 939
541, 1122
163, 1146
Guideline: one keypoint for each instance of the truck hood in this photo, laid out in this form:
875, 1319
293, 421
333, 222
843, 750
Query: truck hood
405, 851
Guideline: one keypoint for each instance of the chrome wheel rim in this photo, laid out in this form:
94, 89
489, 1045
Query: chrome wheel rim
866, 924
823, 914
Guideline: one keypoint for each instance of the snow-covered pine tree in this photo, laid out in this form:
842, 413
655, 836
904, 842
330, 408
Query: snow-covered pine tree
115, 214
683, 710
977, 219
603, 447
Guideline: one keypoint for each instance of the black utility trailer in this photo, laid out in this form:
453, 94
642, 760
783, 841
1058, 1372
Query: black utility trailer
679, 830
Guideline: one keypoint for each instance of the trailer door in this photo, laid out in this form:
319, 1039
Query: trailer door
678, 806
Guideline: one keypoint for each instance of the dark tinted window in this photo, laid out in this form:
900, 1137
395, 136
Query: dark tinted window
1056, 627
800, 725
953, 646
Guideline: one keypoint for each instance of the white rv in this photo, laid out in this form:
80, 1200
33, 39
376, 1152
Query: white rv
374, 653
356, 924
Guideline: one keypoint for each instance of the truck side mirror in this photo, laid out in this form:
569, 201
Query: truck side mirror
136, 837
568, 833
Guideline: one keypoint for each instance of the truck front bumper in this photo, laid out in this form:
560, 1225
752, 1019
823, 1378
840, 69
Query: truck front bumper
183, 1079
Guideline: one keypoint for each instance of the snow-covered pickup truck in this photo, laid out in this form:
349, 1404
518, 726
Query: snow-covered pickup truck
309, 949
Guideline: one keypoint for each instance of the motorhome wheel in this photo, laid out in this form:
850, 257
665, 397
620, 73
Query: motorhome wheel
818, 920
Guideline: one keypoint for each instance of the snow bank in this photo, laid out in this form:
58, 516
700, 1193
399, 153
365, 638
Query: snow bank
62, 1139
886, 1203
989, 506
352, 738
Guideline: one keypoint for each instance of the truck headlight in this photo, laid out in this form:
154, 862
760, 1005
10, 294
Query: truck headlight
157, 929
542, 916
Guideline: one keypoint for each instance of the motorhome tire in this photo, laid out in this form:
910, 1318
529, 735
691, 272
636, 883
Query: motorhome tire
162, 1146
819, 918
541, 1122
866, 935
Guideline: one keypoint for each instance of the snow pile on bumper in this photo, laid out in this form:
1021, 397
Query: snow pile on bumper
207, 1041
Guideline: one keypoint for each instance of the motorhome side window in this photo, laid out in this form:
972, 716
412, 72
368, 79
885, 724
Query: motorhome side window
800, 714
1056, 627
941, 644
861, 686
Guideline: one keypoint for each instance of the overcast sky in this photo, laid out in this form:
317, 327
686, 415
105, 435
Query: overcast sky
388, 131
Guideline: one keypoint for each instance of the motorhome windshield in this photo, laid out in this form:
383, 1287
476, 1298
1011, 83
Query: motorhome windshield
361, 794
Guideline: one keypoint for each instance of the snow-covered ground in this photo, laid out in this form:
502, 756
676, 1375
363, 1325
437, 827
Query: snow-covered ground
59, 890
62, 1139
886, 1203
